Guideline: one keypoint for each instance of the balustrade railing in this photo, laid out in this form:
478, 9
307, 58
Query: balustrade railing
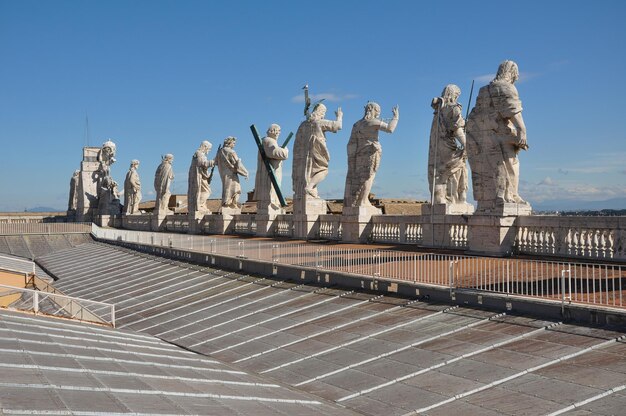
284, 226
566, 282
330, 227
602, 238
245, 224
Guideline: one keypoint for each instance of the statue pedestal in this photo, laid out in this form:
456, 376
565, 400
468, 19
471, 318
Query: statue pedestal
355, 223
491, 235
158, 220
223, 222
504, 209
197, 222
491, 230
266, 213
306, 212
113, 221
448, 209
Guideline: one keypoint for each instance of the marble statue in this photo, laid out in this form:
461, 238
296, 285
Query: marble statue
199, 188
132, 189
74, 191
264, 192
162, 180
310, 154
364, 152
108, 197
495, 135
230, 167
446, 154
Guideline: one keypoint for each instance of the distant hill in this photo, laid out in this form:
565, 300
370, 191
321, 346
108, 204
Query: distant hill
613, 203
44, 209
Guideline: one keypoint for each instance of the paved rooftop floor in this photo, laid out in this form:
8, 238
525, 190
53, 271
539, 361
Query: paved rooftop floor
373, 354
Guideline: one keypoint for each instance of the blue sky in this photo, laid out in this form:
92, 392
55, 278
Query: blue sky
161, 76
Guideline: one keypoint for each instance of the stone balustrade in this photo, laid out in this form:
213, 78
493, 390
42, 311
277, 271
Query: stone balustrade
597, 238
245, 224
283, 226
398, 229
580, 237
330, 227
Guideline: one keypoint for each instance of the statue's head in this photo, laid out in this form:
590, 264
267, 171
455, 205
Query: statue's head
507, 71
230, 141
76, 172
273, 131
205, 146
450, 93
169, 158
107, 153
372, 110
134, 163
319, 111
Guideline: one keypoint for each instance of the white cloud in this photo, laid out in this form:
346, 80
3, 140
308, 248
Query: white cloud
327, 96
548, 181
483, 79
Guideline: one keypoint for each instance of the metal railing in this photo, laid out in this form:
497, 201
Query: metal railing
599, 284
44, 228
58, 305
13, 264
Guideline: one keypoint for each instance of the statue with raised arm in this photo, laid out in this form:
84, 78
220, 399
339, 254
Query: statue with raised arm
230, 167
74, 190
264, 192
199, 189
162, 180
132, 189
495, 135
446, 154
310, 154
364, 153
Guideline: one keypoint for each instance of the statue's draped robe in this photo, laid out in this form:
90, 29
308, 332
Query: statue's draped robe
199, 189
230, 167
451, 169
132, 192
162, 180
492, 144
264, 191
310, 154
364, 153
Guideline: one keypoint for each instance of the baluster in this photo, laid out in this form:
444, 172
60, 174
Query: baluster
602, 244
522, 239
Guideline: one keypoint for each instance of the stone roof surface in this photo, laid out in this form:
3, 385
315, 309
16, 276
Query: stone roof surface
372, 354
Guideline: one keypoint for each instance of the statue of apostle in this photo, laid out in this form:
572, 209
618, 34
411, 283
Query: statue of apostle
162, 180
199, 190
264, 192
495, 135
310, 154
132, 189
230, 167
446, 154
364, 152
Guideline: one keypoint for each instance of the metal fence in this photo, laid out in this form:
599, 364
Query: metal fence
567, 282
44, 228
57, 305
13, 264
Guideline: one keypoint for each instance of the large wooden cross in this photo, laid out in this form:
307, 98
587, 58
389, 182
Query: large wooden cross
268, 165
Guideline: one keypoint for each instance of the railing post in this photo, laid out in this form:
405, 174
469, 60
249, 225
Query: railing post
113, 315
36, 301
317, 258
569, 271
274, 250
451, 275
